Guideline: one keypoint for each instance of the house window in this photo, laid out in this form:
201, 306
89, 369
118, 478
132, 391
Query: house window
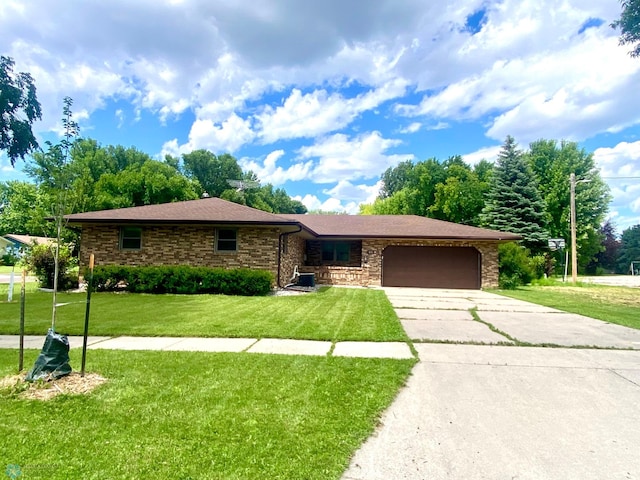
226, 240
130, 238
335, 251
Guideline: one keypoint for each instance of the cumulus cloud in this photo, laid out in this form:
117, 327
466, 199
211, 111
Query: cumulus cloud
324, 77
485, 153
620, 167
546, 95
312, 202
341, 158
345, 190
226, 136
319, 112
270, 172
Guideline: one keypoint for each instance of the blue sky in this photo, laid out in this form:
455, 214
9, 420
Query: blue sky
321, 97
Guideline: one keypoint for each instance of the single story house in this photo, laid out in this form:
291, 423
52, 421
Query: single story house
365, 250
20, 243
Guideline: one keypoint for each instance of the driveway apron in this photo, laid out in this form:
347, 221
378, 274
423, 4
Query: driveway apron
494, 410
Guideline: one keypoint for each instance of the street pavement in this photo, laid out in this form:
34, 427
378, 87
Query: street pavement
494, 410
500, 412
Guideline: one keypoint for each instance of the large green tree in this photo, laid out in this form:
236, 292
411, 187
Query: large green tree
629, 25
408, 188
629, 249
152, 182
23, 209
460, 198
514, 203
450, 190
213, 172
552, 164
19, 108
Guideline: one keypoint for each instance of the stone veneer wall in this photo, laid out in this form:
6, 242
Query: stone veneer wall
370, 273
181, 245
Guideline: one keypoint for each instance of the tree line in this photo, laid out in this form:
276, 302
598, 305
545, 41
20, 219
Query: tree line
526, 192
100, 177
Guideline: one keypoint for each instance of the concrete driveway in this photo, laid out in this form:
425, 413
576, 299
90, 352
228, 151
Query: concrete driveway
444, 315
500, 411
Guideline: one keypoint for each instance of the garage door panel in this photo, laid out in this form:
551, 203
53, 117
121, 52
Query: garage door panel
431, 267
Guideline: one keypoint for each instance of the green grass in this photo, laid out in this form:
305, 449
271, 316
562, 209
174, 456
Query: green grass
620, 305
334, 314
9, 269
184, 415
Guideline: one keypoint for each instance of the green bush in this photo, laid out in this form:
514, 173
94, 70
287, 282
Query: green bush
41, 261
182, 279
10, 258
517, 266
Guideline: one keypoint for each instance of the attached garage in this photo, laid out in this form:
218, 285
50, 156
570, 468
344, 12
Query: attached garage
431, 267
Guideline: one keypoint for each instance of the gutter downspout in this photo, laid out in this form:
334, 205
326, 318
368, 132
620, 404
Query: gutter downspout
280, 251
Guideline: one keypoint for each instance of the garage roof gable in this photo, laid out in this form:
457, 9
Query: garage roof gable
394, 226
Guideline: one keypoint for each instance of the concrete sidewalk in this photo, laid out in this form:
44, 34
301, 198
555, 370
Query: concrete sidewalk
398, 350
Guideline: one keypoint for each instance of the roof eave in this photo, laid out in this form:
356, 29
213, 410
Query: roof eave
129, 221
424, 237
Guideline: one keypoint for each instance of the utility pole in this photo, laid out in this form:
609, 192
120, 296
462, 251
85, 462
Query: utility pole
574, 252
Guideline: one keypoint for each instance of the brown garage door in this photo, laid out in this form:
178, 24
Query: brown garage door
431, 267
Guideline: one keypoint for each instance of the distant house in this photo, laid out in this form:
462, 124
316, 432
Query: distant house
20, 243
367, 250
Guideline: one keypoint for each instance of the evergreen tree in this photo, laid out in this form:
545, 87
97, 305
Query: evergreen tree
514, 203
629, 249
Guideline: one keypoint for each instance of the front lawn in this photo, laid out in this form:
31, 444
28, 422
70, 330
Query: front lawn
334, 314
620, 305
188, 415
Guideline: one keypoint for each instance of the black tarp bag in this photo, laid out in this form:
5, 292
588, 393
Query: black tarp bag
53, 361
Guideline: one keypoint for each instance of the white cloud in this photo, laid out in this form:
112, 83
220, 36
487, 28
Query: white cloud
341, 158
227, 136
485, 153
319, 112
545, 94
623, 160
411, 128
312, 202
616, 165
438, 126
345, 190
270, 172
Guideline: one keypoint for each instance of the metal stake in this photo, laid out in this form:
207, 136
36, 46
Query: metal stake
86, 316
22, 295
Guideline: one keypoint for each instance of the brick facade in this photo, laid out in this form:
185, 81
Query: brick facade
258, 248
370, 272
182, 245
293, 247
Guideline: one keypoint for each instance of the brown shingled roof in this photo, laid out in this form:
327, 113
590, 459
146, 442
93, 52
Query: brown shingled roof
216, 210
394, 226
205, 210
